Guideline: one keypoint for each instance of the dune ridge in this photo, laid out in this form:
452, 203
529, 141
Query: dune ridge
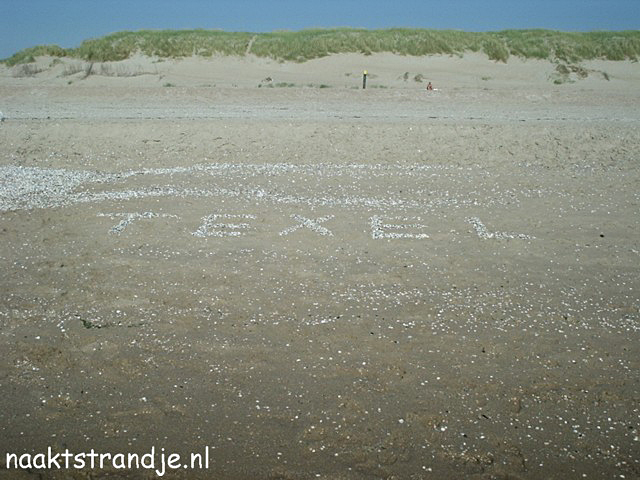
304, 45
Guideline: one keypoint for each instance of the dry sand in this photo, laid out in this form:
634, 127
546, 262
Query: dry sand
323, 282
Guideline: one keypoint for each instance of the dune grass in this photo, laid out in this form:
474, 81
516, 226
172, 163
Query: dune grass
309, 44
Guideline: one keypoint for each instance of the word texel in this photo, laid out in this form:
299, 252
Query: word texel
236, 225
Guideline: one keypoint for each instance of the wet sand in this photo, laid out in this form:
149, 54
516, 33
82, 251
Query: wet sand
323, 283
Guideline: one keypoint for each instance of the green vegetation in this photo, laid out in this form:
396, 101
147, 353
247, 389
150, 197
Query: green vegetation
308, 44
154, 43
28, 54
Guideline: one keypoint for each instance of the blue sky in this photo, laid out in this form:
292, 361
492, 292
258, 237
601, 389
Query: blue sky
25, 23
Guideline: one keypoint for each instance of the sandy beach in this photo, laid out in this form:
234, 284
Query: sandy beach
312, 280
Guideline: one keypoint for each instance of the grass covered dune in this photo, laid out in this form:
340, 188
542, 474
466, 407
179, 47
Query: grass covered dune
309, 44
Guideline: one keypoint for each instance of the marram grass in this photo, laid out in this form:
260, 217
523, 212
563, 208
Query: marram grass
308, 44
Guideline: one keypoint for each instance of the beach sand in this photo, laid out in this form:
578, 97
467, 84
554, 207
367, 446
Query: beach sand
313, 280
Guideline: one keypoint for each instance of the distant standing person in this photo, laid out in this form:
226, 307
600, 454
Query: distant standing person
429, 86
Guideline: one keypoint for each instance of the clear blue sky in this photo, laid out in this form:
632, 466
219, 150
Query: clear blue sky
25, 23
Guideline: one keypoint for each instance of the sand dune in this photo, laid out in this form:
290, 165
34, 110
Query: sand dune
386, 70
